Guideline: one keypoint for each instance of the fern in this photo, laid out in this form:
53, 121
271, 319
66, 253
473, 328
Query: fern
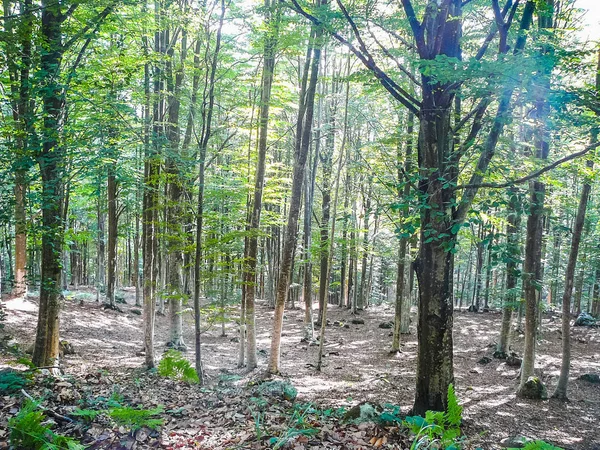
454, 411
12, 381
136, 418
443, 428
174, 365
87, 415
539, 445
28, 432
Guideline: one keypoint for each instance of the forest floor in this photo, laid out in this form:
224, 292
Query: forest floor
358, 368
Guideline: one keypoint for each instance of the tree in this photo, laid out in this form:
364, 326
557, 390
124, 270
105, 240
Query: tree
300, 157
270, 44
51, 158
437, 37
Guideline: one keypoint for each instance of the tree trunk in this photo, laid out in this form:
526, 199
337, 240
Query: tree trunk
532, 266
20, 284
563, 380
51, 160
207, 114
175, 182
363, 297
111, 191
402, 306
270, 44
512, 273
294, 209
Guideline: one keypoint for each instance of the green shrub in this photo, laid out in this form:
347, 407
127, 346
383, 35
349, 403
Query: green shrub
174, 365
28, 432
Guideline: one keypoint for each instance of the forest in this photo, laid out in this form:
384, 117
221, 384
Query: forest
299, 224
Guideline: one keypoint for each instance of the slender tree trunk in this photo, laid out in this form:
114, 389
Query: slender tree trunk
294, 207
563, 380
512, 272
150, 207
326, 158
363, 297
402, 307
207, 114
111, 275
20, 284
270, 44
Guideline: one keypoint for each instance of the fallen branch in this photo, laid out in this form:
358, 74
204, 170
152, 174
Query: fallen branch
48, 411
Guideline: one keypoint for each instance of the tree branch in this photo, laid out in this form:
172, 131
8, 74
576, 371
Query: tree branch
390, 85
533, 175
91, 24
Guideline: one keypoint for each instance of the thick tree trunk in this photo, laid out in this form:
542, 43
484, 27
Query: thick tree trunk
532, 276
174, 213
51, 160
434, 266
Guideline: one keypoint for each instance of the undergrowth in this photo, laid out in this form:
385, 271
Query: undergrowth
27, 431
438, 429
174, 365
12, 381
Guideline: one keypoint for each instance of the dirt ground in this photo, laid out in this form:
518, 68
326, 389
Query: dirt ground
358, 364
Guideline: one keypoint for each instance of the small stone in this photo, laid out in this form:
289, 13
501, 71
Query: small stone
514, 442
585, 320
358, 321
590, 378
499, 355
534, 389
66, 348
141, 435
513, 360
386, 325
475, 370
